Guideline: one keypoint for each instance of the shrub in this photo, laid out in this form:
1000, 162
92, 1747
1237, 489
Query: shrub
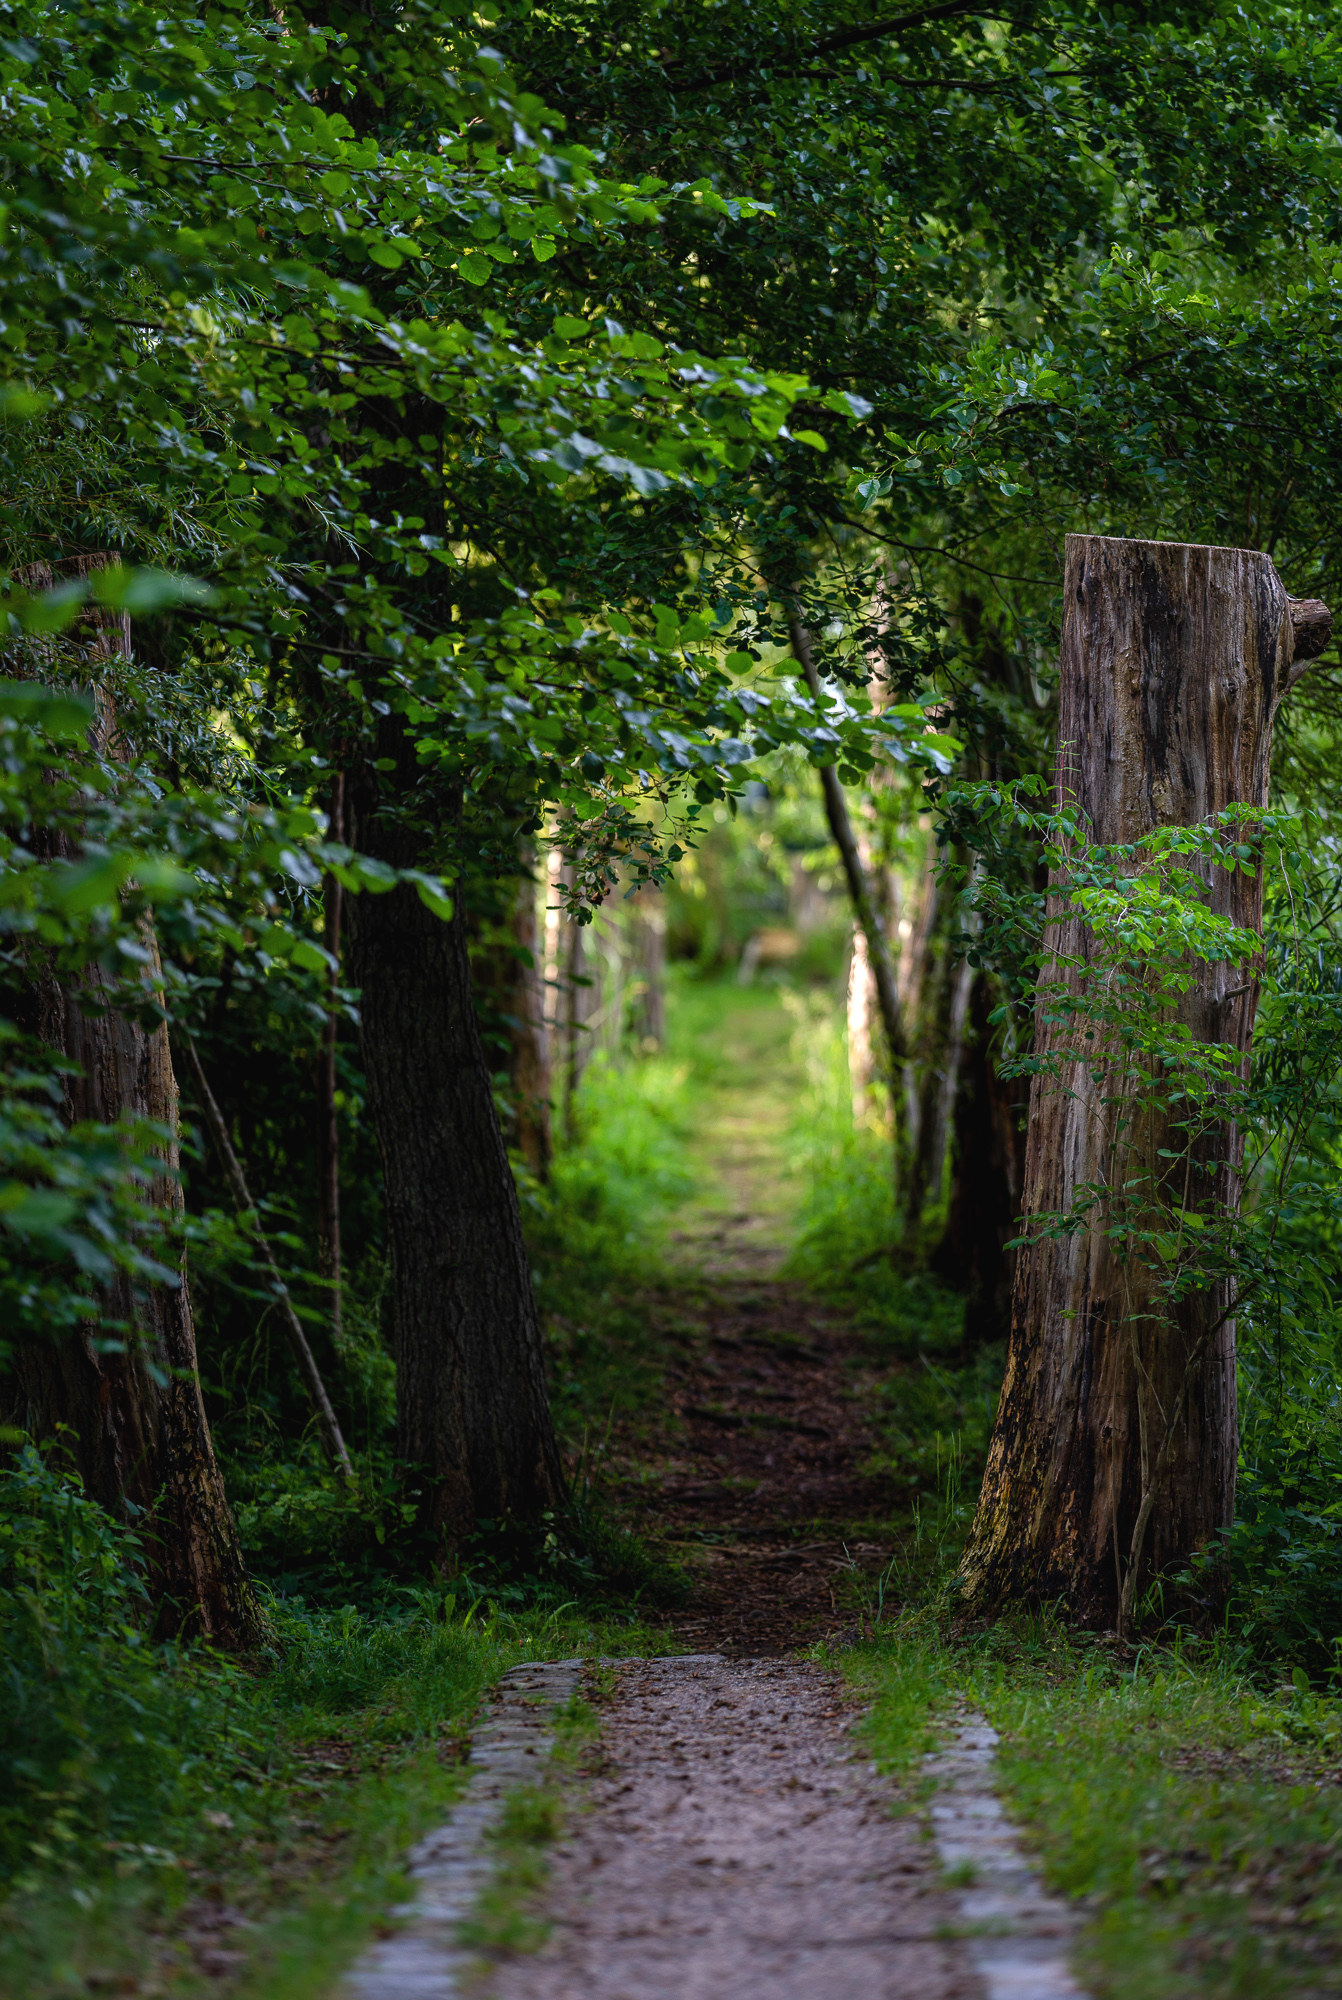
105, 1736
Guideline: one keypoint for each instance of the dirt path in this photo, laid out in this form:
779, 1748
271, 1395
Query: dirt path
725, 1839
759, 1482
761, 1492
729, 1845
734, 1850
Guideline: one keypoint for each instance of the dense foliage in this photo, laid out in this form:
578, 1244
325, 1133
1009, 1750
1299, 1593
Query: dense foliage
457, 406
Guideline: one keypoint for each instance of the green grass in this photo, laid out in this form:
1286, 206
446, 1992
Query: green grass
1190, 1811
352, 1751
508, 1916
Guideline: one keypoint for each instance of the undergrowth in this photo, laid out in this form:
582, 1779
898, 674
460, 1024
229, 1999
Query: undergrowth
142, 1782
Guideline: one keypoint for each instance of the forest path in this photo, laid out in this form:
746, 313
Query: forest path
724, 1837
758, 1469
740, 1221
730, 1847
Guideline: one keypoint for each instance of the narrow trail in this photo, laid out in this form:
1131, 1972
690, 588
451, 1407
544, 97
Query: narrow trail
724, 1838
733, 1849
730, 1843
762, 1490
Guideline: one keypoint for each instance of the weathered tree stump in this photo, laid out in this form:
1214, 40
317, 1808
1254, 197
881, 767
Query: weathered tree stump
1174, 661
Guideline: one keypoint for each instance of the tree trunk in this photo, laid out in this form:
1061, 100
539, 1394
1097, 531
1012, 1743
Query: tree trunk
328, 1125
855, 875
529, 1050
580, 997
862, 1016
141, 1439
1174, 659
131, 1409
988, 1174
472, 1411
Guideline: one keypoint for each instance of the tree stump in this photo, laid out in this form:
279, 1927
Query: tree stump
1174, 661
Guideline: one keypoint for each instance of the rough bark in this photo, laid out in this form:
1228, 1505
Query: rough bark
472, 1412
328, 1124
1174, 659
988, 1142
130, 1407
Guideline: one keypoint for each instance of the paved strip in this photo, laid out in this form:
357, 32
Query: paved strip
1022, 1936
451, 1867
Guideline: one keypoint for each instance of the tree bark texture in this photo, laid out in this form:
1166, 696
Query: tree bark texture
529, 1041
132, 1407
472, 1411
988, 1163
1174, 659
328, 1123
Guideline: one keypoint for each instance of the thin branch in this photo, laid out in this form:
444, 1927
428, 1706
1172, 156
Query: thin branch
846, 38
864, 909
327, 1423
924, 549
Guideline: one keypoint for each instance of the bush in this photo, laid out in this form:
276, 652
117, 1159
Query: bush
105, 1736
1284, 1552
610, 1193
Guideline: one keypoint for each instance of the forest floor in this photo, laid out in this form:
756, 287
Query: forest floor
794, 1451
758, 1476
772, 1449
724, 1839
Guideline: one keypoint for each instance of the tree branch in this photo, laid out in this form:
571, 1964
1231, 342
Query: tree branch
845, 38
859, 890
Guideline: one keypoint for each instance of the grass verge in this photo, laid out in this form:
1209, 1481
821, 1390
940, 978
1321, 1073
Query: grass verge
1193, 1812
508, 1917
284, 1855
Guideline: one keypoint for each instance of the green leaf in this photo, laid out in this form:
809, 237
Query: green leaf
433, 895
80, 886
475, 267
64, 717
141, 591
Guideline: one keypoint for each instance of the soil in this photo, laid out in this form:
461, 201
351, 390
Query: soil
754, 1472
761, 1494
733, 1849
729, 1842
